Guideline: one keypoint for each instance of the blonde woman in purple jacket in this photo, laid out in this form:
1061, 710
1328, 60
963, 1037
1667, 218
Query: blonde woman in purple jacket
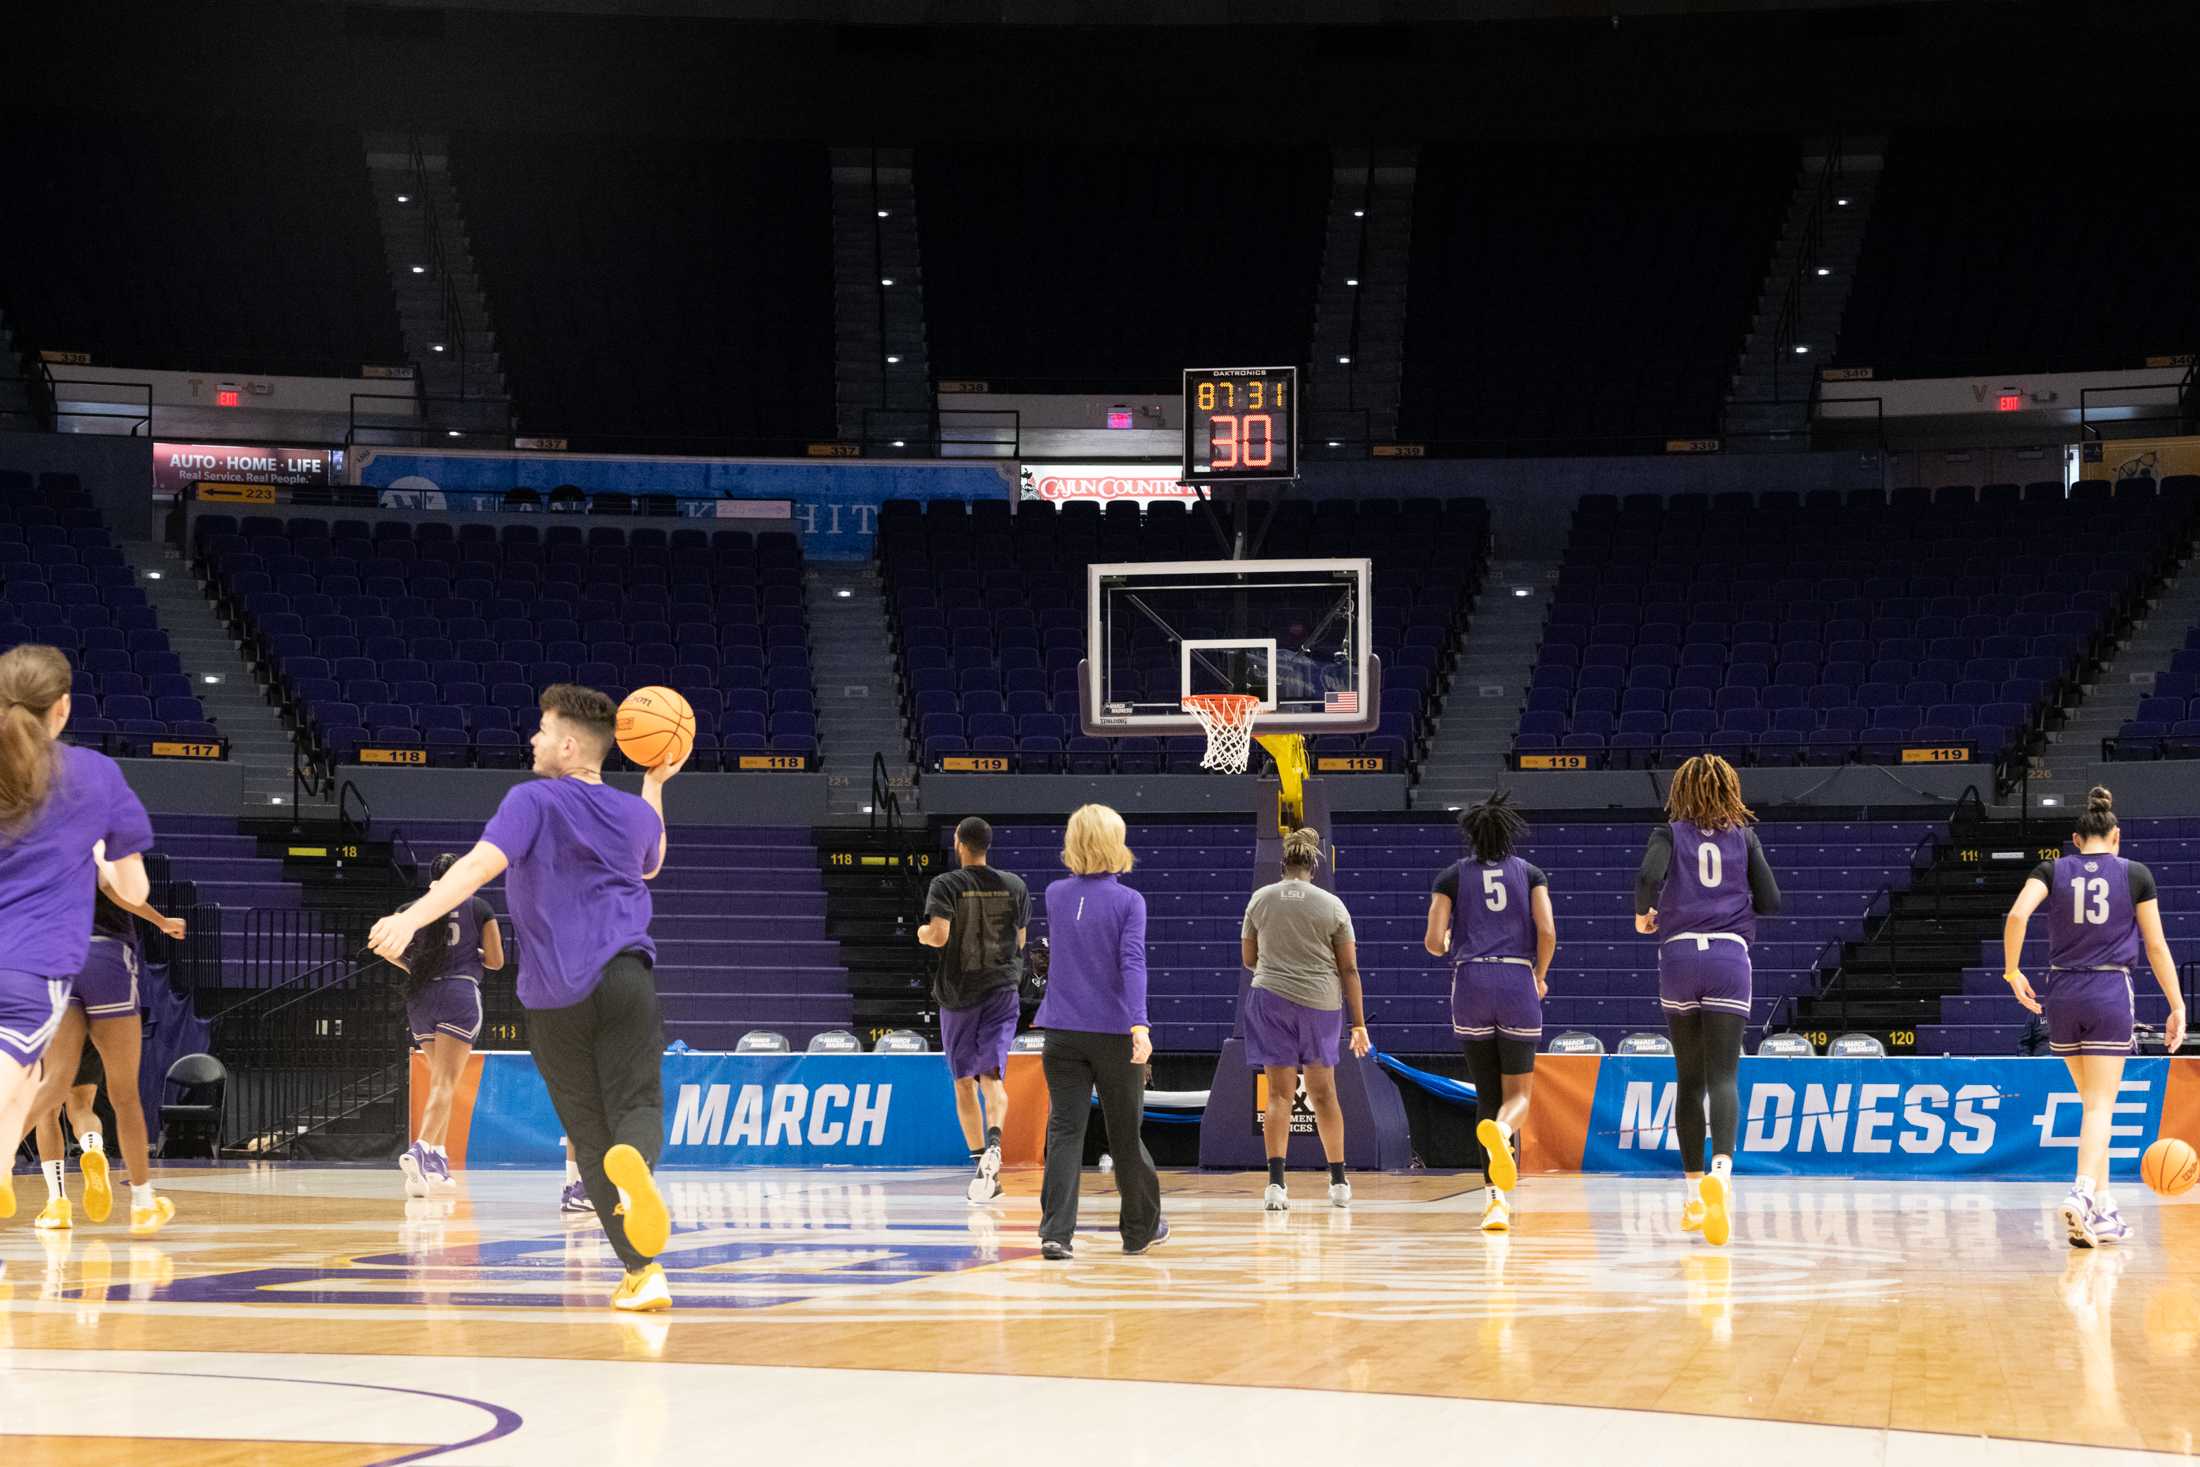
1097, 1038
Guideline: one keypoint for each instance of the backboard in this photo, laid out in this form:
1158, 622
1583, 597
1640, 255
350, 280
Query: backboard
1293, 633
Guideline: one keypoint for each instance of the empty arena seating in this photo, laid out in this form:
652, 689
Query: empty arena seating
440, 635
657, 289
987, 612
196, 245
740, 931
1568, 297
1980, 259
63, 583
1984, 1019
1831, 629
1197, 879
1072, 264
2166, 724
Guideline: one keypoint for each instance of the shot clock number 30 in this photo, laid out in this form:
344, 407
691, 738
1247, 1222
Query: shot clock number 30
1241, 423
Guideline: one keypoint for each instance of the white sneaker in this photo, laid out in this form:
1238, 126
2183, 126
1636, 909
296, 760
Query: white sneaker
1340, 1194
414, 1164
2109, 1226
1497, 1216
1275, 1199
986, 1185
2078, 1219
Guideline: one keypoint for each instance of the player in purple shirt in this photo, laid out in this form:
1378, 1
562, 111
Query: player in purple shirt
56, 804
1703, 884
2101, 909
443, 969
1491, 915
578, 855
104, 1008
1098, 1039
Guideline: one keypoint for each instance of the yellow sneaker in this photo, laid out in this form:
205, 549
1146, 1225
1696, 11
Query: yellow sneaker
1716, 1224
1497, 1217
1504, 1171
648, 1224
1692, 1216
146, 1221
644, 1292
7, 1194
55, 1215
99, 1191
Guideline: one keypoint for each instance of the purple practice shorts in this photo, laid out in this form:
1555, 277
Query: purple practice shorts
1494, 998
2089, 1011
977, 1038
107, 987
446, 1006
1707, 973
30, 1010
1280, 1032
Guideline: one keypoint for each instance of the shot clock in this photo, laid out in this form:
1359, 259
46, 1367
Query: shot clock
1240, 424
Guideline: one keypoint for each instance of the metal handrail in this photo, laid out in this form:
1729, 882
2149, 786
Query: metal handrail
2182, 387
141, 423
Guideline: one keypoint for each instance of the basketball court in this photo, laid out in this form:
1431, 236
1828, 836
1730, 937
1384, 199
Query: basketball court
300, 1315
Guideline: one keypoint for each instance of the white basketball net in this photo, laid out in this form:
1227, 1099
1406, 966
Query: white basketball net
1228, 719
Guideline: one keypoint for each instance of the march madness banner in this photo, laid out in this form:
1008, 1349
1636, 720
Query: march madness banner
730, 1110
2011, 1119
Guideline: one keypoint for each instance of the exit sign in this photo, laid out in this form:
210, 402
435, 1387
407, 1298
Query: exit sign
2009, 402
225, 397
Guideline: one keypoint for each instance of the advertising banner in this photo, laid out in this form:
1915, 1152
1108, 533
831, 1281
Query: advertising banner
834, 503
1103, 483
2009, 1119
176, 466
726, 1110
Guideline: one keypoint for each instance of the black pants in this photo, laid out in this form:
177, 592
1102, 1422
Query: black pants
602, 1062
1489, 1061
1077, 1064
1707, 1057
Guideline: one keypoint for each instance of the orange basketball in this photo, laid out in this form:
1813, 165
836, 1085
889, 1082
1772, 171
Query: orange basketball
2170, 1167
656, 726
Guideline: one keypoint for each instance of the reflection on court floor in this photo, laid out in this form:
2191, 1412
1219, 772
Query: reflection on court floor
1881, 1309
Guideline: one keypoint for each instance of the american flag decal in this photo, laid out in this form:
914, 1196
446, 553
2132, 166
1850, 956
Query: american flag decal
1346, 700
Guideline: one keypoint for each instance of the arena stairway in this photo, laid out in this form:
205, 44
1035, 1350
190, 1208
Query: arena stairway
258, 740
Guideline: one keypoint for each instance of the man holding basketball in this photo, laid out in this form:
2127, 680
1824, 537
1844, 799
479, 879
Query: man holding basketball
579, 853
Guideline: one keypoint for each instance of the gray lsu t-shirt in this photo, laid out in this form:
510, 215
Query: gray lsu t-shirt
1298, 925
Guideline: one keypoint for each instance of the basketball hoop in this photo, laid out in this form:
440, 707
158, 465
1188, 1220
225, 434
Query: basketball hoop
1228, 719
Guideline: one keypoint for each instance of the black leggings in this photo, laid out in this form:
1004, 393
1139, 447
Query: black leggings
1707, 1051
1489, 1061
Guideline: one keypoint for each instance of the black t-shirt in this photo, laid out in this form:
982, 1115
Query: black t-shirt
985, 909
2142, 880
109, 920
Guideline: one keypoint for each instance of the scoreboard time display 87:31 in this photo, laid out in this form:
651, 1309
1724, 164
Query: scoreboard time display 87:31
1240, 424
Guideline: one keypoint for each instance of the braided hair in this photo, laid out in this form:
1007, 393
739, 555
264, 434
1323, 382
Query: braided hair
1707, 793
1493, 827
1302, 850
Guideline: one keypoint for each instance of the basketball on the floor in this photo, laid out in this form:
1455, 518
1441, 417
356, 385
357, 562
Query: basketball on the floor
656, 726
2170, 1167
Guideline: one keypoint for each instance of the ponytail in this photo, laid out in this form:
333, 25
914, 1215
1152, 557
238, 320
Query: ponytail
33, 678
429, 956
1302, 849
